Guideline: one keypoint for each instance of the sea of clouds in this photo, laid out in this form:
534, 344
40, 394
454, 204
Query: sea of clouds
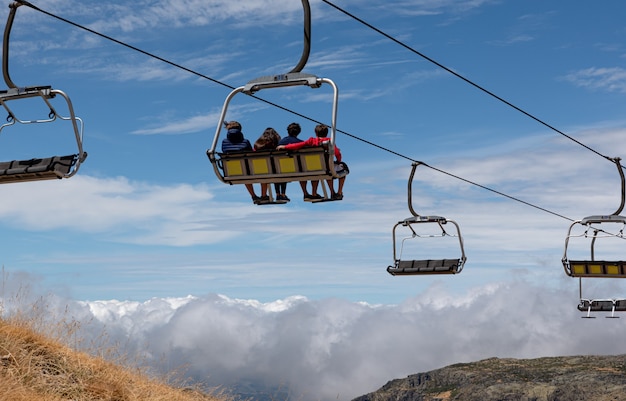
331, 348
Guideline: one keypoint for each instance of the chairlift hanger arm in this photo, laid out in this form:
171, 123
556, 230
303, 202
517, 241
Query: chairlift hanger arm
5, 44
620, 170
410, 188
307, 38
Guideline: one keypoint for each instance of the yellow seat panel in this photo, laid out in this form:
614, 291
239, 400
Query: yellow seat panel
578, 269
260, 166
612, 269
313, 162
287, 165
233, 167
595, 268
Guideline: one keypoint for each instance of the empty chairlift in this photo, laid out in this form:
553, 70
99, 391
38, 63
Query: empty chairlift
593, 230
36, 168
451, 264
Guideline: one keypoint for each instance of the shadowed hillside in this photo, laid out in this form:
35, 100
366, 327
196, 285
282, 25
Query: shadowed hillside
575, 378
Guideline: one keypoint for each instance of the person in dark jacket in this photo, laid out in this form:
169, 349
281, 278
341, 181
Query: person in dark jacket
236, 142
293, 130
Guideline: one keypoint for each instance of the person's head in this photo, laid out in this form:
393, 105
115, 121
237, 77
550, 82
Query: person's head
272, 135
321, 131
234, 131
268, 139
293, 129
232, 125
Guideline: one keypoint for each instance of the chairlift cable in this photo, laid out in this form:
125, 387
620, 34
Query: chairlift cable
26, 3
481, 88
498, 192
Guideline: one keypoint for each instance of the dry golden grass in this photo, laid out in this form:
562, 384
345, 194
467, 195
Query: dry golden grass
34, 367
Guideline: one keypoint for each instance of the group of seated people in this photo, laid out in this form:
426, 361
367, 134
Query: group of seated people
270, 140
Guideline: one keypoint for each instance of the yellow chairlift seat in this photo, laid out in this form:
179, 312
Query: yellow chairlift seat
592, 267
310, 163
596, 268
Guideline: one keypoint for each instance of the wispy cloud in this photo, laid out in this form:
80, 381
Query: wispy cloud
612, 79
434, 7
191, 124
177, 14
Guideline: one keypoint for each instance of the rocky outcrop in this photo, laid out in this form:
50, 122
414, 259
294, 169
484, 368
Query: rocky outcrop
575, 378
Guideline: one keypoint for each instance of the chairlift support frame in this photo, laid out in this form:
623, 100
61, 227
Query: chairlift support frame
592, 267
428, 266
54, 167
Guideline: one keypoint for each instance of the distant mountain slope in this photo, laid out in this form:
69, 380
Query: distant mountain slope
573, 378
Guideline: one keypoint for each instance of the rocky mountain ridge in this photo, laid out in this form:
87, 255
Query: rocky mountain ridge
573, 378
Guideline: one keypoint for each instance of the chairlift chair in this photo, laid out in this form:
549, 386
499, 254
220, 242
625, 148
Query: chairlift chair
273, 166
596, 227
412, 267
36, 168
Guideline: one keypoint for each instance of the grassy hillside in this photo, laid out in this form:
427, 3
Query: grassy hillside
34, 367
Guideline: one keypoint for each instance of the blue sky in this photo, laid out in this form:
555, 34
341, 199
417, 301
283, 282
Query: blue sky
146, 219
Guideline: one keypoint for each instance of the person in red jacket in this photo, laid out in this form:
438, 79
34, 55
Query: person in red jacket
321, 136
